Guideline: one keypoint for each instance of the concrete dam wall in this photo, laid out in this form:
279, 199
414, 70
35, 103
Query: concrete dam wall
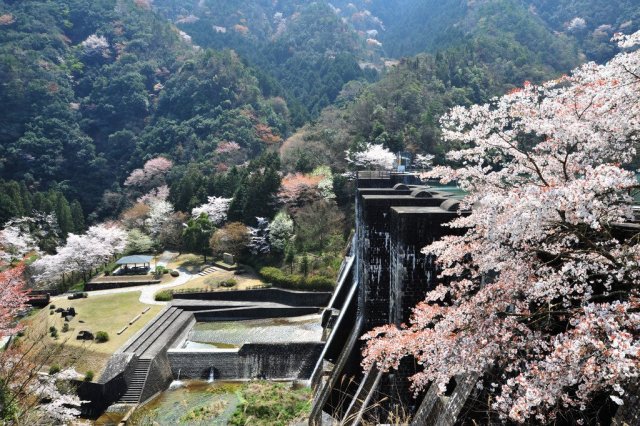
251, 361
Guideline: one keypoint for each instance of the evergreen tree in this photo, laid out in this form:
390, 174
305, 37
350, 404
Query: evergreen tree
290, 256
63, 214
304, 265
77, 216
197, 234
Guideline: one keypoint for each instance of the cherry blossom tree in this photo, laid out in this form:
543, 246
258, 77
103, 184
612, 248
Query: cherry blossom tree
298, 188
96, 45
81, 253
542, 289
59, 403
13, 298
227, 147
216, 209
373, 156
159, 215
30, 396
160, 193
423, 161
16, 242
151, 175
28, 234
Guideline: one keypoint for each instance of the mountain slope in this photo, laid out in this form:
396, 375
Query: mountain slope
304, 50
93, 89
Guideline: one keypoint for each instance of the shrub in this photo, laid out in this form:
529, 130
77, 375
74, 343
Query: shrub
295, 282
52, 306
229, 283
320, 283
164, 296
102, 336
54, 369
65, 327
175, 273
160, 270
279, 278
51, 312
88, 376
52, 329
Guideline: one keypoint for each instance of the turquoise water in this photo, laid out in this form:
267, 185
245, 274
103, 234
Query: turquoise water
453, 189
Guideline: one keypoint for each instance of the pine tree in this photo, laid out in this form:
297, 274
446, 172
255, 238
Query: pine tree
77, 216
290, 256
304, 265
63, 214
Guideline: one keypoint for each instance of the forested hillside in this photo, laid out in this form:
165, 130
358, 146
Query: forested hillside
93, 89
303, 50
409, 27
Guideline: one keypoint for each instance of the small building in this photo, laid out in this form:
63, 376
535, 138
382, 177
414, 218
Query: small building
134, 264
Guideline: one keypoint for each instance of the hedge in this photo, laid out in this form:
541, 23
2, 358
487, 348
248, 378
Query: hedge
164, 296
280, 279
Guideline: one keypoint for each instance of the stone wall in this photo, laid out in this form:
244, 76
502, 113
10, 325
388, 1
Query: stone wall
373, 227
413, 273
273, 295
160, 373
159, 377
270, 361
112, 285
111, 385
238, 314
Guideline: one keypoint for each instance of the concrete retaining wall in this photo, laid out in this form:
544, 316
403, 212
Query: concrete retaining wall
111, 385
109, 286
273, 295
160, 372
270, 361
252, 313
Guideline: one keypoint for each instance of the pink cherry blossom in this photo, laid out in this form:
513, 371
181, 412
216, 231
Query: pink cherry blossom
544, 286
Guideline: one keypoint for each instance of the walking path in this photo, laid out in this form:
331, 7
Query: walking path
147, 292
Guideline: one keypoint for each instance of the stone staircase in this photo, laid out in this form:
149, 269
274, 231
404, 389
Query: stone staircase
138, 380
149, 341
207, 271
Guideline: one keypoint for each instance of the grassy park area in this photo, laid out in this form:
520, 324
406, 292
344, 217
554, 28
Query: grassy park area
248, 279
112, 312
195, 263
108, 313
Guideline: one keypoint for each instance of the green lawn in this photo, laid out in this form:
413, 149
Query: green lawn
107, 313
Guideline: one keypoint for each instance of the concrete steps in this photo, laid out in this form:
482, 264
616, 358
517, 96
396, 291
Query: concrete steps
207, 271
138, 380
153, 331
